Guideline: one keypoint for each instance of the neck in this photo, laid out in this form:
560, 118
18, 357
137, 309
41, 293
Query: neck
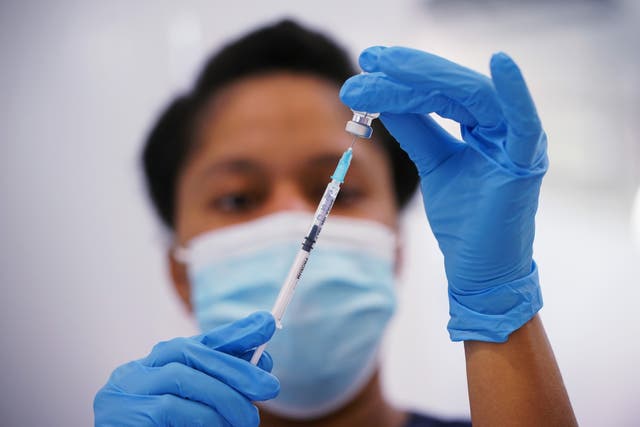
368, 408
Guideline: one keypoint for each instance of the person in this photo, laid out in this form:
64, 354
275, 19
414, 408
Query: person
235, 169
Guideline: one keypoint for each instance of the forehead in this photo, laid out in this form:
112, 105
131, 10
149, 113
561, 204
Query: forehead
261, 113
295, 92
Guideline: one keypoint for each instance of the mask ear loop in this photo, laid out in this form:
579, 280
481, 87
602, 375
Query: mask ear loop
181, 254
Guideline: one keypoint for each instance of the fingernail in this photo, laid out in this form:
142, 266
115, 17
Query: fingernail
501, 56
369, 58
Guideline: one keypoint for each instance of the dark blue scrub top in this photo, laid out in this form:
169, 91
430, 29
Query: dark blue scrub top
416, 420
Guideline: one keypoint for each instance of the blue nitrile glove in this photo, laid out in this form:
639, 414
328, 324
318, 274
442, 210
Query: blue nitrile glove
480, 195
198, 381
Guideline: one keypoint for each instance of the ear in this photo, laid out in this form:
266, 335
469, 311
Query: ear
180, 279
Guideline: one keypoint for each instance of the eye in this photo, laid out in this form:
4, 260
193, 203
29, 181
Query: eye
237, 202
349, 196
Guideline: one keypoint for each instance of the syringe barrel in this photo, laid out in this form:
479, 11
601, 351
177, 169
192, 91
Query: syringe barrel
284, 296
289, 286
321, 214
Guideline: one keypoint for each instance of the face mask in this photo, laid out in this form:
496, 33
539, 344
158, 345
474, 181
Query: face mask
326, 352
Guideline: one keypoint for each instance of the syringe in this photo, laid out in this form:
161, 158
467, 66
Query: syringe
325, 205
359, 126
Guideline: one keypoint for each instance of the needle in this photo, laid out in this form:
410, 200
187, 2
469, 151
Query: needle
353, 141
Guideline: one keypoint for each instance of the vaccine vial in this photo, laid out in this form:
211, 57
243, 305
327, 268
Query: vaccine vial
360, 124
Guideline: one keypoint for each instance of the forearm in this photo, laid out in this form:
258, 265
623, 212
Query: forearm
517, 383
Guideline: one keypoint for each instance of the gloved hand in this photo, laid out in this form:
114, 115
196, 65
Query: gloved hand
480, 195
198, 381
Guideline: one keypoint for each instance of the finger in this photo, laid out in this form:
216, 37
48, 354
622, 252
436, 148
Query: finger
425, 141
265, 362
187, 383
141, 410
431, 73
526, 142
368, 59
250, 380
177, 412
242, 335
379, 93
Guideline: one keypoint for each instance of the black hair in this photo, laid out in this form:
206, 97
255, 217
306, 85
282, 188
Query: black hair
284, 46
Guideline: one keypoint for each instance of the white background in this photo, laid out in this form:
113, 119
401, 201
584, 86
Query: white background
84, 284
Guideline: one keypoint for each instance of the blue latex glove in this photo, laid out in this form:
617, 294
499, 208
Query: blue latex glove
480, 194
198, 381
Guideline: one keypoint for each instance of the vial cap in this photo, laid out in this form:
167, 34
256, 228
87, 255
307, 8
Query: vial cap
358, 129
360, 124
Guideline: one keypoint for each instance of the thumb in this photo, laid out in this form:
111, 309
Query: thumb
242, 335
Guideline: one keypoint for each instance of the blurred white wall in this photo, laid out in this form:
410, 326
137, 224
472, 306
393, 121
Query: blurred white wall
82, 274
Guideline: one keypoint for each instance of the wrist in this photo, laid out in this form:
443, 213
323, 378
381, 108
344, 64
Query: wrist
491, 315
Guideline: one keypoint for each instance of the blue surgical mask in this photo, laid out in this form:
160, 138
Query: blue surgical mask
326, 351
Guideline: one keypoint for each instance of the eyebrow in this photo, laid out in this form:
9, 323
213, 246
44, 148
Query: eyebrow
232, 165
329, 159
251, 166
324, 159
